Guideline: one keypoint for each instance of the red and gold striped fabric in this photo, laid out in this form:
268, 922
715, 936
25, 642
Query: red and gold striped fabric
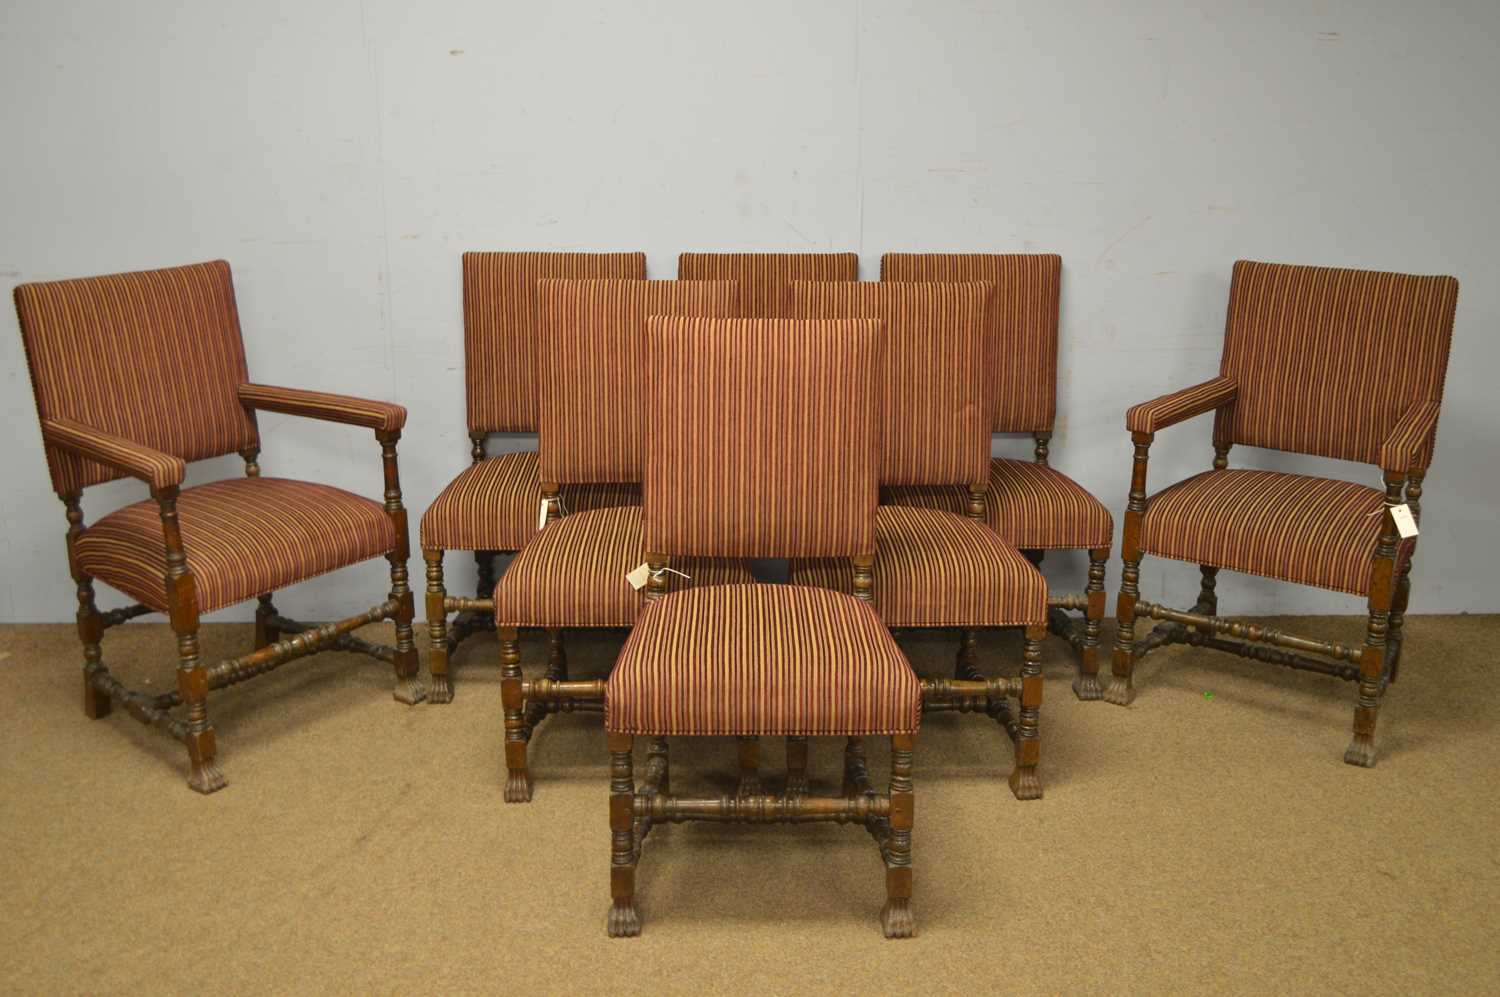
1170, 409
753, 660
1329, 360
1409, 438
1314, 531
937, 401
500, 337
155, 468
591, 425
572, 574
937, 569
765, 278
1024, 320
1031, 506
764, 437
152, 357
494, 504
347, 409
243, 537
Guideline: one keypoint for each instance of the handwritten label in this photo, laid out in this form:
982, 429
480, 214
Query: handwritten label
638, 577
1406, 523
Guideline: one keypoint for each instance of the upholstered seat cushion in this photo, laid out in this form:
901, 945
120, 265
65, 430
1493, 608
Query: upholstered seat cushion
938, 569
243, 537
572, 574
493, 505
761, 660
1030, 505
1316, 531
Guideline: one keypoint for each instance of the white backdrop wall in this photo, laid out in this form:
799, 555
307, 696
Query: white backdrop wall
342, 155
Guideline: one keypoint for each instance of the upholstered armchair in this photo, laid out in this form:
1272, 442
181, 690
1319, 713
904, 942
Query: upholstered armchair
748, 661
493, 505
1347, 364
138, 374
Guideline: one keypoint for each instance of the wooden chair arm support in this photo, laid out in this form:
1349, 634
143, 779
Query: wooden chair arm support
1407, 440
383, 417
1170, 409
158, 470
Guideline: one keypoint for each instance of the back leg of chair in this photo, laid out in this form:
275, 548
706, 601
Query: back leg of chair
796, 766
266, 633
517, 778
966, 665
437, 629
1086, 685
624, 919
1024, 781
896, 917
749, 759
1397, 633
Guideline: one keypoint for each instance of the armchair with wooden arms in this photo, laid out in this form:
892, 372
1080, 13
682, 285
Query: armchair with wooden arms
1347, 364
137, 374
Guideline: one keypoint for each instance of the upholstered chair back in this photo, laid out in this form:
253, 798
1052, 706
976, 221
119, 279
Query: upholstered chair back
154, 357
592, 369
762, 437
500, 337
937, 383
765, 278
1327, 360
1023, 317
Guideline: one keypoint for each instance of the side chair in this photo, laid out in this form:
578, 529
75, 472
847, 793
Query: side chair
137, 374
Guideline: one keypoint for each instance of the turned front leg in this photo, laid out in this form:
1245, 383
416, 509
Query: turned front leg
1361, 750
624, 919
437, 629
1122, 666
1024, 781
896, 919
517, 778
1086, 685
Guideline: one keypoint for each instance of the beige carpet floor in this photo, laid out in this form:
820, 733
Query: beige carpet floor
1208, 838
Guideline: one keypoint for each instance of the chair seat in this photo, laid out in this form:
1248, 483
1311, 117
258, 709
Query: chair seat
493, 505
1031, 506
244, 537
572, 574
753, 660
1314, 531
938, 569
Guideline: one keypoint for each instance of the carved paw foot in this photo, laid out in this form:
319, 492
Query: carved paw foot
1120, 692
624, 922
410, 691
1086, 687
1361, 752
517, 786
206, 779
440, 690
896, 919
1025, 783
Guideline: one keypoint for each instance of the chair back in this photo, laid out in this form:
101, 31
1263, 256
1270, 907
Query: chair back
154, 357
763, 437
765, 278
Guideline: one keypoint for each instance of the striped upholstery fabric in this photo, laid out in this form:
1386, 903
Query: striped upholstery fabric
1408, 441
572, 574
1315, 531
493, 505
1327, 360
500, 337
155, 468
761, 660
591, 423
1024, 317
1170, 409
347, 409
1030, 505
764, 438
936, 424
765, 278
152, 357
937, 569
243, 537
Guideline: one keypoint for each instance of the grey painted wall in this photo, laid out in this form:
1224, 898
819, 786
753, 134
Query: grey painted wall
343, 155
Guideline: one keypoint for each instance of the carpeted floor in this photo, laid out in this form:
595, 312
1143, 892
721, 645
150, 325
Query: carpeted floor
1208, 838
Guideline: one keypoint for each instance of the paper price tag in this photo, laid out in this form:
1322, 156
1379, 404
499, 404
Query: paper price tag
541, 516
1406, 523
639, 576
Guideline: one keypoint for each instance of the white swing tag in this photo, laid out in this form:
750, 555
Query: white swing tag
541, 516
1406, 523
639, 576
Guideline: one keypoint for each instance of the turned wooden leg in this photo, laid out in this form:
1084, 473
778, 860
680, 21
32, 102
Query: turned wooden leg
966, 665
1208, 598
896, 918
96, 702
557, 656
1024, 781
796, 766
855, 768
409, 688
484, 560
1086, 685
437, 630
517, 778
1122, 664
1361, 750
205, 775
656, 754
624, 919
1396, 636
265, 633
749, 758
